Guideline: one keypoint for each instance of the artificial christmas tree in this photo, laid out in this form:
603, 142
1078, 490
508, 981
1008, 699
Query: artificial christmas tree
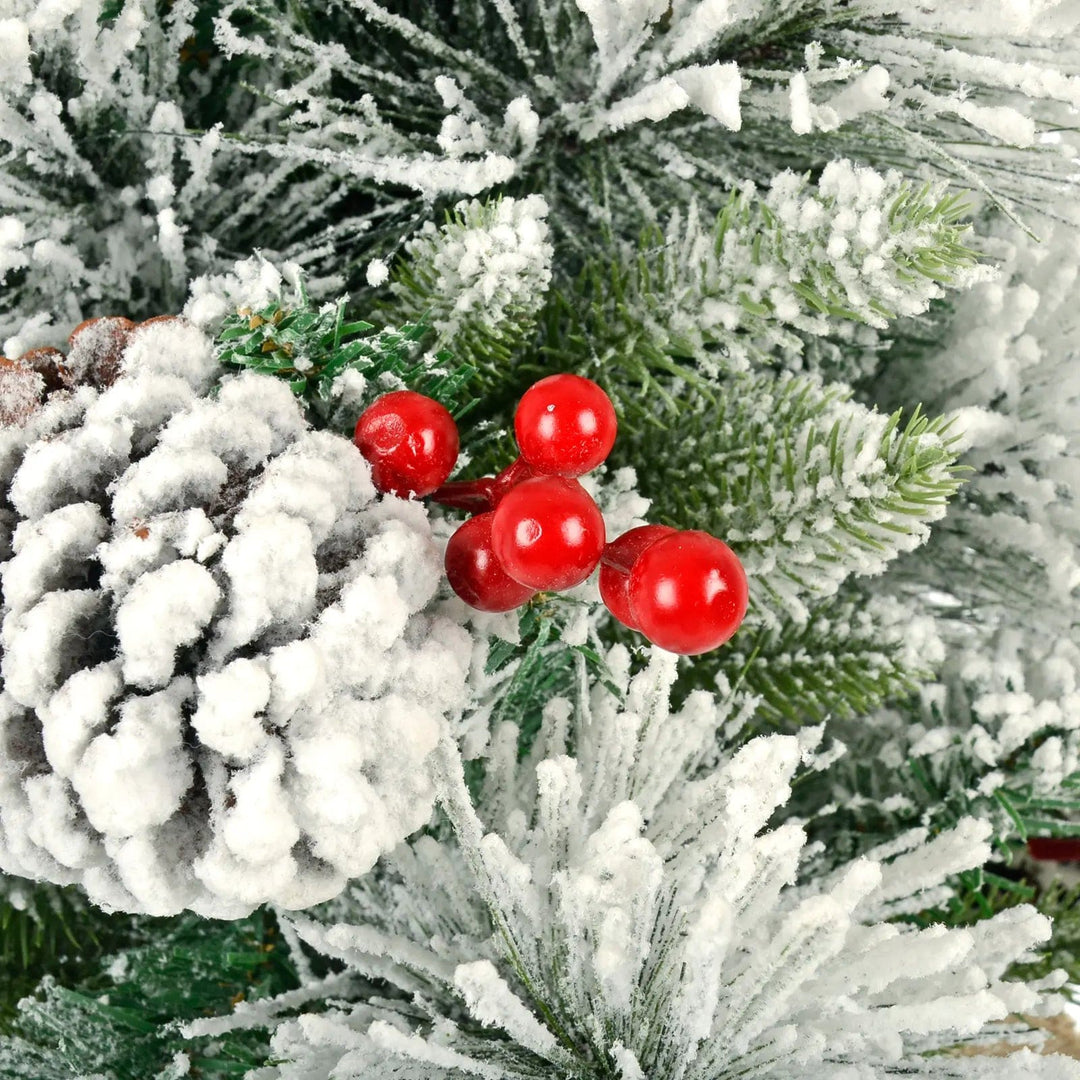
822, 258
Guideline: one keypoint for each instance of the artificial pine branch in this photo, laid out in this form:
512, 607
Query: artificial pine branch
324, 358
774, 267
120, 1019
479, 280
809, 485
850, 657
516, 935
46, 929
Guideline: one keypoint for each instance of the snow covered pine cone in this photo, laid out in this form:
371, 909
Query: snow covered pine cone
220, 681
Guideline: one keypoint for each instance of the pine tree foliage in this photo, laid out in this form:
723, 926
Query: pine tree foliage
851, 656
119, 1021
322, 133
337, 367
996, 734
105, 200
1013, 376
479, 280
1061, 902
577, 88
716, 210
45, 929
769, 271
812, 486
614, 910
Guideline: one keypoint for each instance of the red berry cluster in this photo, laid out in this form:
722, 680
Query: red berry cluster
535, 528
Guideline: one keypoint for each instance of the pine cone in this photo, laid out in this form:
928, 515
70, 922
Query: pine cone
97, 346
220, 683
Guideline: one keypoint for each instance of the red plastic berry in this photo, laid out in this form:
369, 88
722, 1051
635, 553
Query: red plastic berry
411, 442
1054, 848
565, 425
548, 533
616, 563
476, 575
688, 592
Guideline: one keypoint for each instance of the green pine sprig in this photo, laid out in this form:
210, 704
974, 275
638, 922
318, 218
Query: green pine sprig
120, 1019
312, 347
694, 302
496, 326
807, 486
841, 663
48, 929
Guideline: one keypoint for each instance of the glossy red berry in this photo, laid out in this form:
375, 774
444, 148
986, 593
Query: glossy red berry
565, 425
548, 533
411, 442
688, 592
616, 563
476, 575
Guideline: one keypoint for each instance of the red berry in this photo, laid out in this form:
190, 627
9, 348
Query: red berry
565, 425
548, 533
1054, 848
688, 592
617, 562
476, 575
411, 442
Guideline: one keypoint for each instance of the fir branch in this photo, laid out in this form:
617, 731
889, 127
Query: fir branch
524, 675
772, 268
479, 281
981, 894
806, 485
119, 1021
1061, 902
47, 929
602, 916
326, 358
850, 657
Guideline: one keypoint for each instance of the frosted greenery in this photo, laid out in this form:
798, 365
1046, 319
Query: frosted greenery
480, 279
823, 254
771, 270
633, 915
813, 486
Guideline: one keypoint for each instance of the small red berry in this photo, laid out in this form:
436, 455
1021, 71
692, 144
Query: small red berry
688, 592
1054, 848
616, 563
565, 425
411, 442
548, 533
476, 575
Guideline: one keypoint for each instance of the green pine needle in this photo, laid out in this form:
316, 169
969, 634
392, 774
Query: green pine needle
119, 1019
691, 302
807, 486
313, 347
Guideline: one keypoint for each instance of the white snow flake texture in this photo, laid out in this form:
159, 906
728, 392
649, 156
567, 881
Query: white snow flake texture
220, 681
490, 260
627, 911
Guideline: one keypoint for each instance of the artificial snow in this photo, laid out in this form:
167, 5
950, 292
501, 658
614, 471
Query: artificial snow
623, 898
491, 261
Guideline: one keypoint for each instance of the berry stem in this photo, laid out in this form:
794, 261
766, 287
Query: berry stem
474, 496
479, 496
511, 476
